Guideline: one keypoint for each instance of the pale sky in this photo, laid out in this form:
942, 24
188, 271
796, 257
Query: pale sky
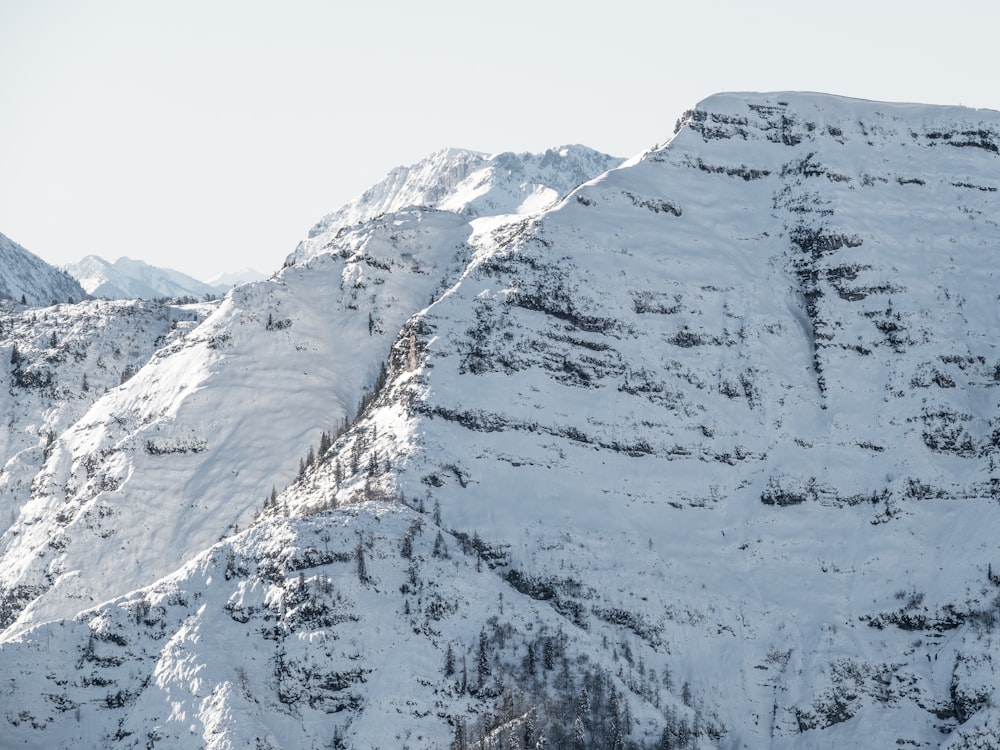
207, 135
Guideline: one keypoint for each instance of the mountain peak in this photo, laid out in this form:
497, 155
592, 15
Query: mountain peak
466, 182
128, 278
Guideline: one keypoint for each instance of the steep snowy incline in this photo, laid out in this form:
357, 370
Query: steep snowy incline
737, 401
467, 182
193, 444
190, 449
24, 275
61, 360
357, 631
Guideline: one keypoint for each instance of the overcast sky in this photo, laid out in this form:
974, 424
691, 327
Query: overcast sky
206, 135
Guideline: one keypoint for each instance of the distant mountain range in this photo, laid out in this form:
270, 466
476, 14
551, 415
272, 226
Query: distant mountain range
134, 279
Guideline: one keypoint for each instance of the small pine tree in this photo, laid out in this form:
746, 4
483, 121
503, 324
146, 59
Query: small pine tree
359, 556
579, 735
483, 657
458, 743
439, 547
449, 662
686, 694
528, 735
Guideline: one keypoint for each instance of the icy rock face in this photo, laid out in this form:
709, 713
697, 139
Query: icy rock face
25, 275
703, 456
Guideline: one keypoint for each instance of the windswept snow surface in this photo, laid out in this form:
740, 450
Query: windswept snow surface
705, 455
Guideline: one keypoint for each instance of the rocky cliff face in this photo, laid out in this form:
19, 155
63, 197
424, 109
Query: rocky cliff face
703, 456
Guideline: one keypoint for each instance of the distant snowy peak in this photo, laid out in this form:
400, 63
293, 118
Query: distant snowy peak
134, 279
228, 279
24, 274
468, 182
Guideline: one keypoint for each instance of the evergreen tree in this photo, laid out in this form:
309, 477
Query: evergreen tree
528, 734
483, 657
458, 743
439, 548
686, 694
579, 735
359, 557
530, 662
548, 654
449, 662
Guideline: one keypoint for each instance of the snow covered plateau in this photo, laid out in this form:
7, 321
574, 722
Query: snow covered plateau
696, 450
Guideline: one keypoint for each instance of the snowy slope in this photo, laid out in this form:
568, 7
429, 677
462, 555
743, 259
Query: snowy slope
703, 456
190, 447
24, 274
219, 420
134, 279
738, 401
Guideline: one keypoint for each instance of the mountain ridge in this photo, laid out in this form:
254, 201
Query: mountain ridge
702, 456
24, 275
126, 278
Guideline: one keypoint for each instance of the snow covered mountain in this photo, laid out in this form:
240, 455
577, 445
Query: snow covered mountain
23, 275
469, 183
704, 455
226, 281
134, 279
